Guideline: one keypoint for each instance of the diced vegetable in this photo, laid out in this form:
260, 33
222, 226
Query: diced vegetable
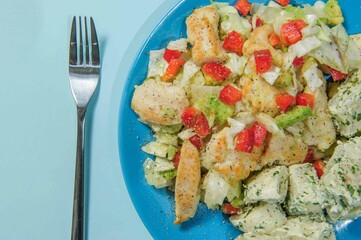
337, 75
196, 141
333, 10
172, 69
283, 2
188, 116
243, 6
260, 133
230, 95
293, 116
284, 80
227, 208
263, 59
310, 156
319, 165
273, 39
245, 140
284, 101
191, 117
233, 42
171, 54
217, 189
217, 71
153, 177
291, 31
219, 110
298, 61
305, 99
201, 126
230, 20
176, 159
259, 22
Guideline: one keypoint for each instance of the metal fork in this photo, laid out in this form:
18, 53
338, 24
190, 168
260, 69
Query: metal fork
84, 71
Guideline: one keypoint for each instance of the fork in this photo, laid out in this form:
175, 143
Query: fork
84, 71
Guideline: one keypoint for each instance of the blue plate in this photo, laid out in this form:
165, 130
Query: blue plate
156, 207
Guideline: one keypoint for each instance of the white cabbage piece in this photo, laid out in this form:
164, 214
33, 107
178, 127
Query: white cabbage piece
217, 189
154, 177
271, 75
235, 128
157, 64
179, 44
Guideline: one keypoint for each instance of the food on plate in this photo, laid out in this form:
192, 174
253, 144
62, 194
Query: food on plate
257, 113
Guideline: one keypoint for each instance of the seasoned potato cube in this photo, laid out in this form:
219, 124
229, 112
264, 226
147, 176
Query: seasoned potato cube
269, 185
305, 192
260, 219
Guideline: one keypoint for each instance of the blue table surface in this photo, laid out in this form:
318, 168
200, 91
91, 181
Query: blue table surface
38, 118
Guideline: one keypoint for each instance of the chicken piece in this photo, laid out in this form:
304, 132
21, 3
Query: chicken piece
202, 32
187, 183
233, 165
159, 102
284, 150
260, 94
258, 40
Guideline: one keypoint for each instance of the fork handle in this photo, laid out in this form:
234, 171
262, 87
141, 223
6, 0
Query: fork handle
77, 231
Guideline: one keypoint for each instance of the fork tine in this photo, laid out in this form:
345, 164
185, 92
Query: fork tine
73, 48
81, 52
95, 46
87, 61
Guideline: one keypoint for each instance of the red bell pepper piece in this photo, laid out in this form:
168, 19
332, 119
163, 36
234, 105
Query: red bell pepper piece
191, 117
336, 75
283, 2
217, 71
260, 133
298, 61
170, 54
243, 7
284, 101
188, 116
245, 140
305, 99
227, 208
172, 69
319, 165
259, 22
291, 31
233, 42
176, 159
230, 95
310, 156
273, 39
263, 59
196, 141
201, 126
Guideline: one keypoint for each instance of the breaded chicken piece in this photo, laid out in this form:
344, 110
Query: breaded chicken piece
260, 94
258, 40
187, 183
202, 32
158, 102
232, 164
284, 150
